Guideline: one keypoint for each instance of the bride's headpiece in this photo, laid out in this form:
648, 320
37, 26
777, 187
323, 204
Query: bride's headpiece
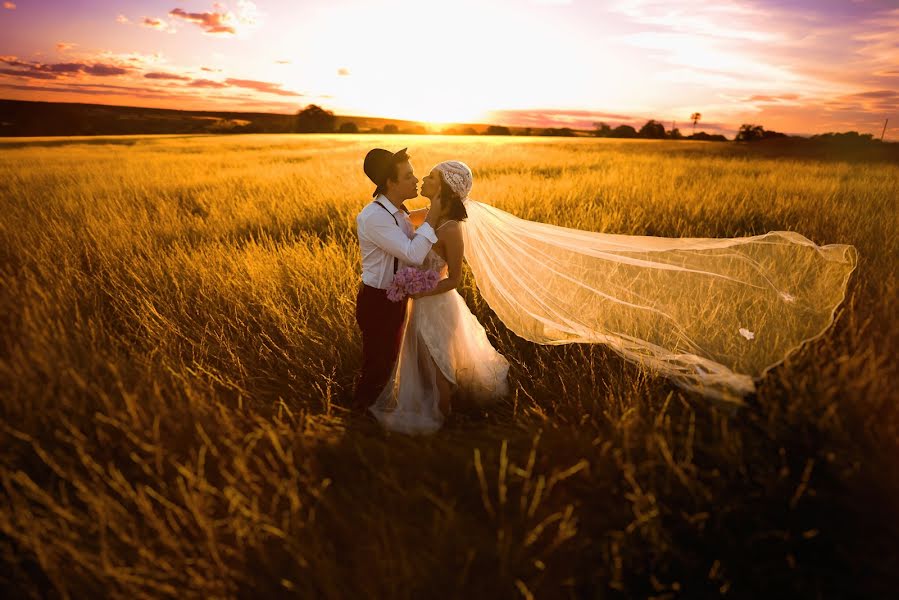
457, 175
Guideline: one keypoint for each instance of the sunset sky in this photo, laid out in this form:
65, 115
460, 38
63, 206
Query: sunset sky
801, 66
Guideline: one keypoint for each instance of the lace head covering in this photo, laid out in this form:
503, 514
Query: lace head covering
457, 175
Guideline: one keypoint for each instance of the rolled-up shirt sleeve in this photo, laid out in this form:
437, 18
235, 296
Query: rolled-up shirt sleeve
382, 230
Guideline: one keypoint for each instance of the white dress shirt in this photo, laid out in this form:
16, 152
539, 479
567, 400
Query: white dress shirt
380, 240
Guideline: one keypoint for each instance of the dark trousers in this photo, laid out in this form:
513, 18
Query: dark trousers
381, 322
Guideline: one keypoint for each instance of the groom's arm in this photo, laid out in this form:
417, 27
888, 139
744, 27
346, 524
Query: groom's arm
382, 230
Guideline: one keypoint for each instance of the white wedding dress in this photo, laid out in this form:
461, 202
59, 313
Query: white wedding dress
439, 332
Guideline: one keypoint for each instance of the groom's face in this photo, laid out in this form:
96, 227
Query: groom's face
406, 184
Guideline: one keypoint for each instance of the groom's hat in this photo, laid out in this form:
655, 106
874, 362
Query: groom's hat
377, 165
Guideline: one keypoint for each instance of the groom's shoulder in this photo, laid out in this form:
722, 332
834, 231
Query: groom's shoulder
367, 209
367, 212
370, 210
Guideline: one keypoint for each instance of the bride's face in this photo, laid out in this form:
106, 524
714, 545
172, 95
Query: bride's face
430, 185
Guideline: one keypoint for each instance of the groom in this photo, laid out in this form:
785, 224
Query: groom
387, 238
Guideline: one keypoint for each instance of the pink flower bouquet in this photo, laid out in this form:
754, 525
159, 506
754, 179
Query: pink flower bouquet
409, 280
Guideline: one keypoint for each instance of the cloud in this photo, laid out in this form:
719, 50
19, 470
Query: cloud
104, 70
210, 22
172, 76
123, 20
29, 74
877, 94
158, 24
282, 62
97, 90
549, 117
207, 83
769, 60
9, 5
261, 86
222, 22
210, 69
773, 98
63, 46
50, 71
343, 72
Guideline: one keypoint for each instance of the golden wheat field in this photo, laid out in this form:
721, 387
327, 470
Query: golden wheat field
178, 349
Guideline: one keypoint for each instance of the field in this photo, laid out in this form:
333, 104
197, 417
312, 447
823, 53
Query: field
178, 348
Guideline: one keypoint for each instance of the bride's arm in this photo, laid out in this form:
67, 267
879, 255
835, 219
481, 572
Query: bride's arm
417, 217
451, 236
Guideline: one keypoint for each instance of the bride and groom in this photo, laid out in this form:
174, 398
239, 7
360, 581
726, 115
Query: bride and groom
418, 353
713, 315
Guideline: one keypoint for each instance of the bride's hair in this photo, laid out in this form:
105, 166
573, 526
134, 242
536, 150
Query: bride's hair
453, 205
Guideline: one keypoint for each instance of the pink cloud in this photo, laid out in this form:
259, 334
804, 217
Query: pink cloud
207, 83
123, 20
211, 22
221, 20
9, 5
261, 86
158, 24
63, 46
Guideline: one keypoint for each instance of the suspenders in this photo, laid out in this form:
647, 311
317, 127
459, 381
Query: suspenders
395, 259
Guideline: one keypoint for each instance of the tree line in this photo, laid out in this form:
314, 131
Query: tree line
314, 119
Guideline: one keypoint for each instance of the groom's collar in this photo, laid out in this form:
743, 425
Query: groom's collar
389, 205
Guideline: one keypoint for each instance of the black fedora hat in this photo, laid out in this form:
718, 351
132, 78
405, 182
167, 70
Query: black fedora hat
377, 164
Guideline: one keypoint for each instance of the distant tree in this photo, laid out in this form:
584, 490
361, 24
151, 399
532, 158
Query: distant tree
624, 131
525, 131
848, 137
498, 130
695, 117
652, 130
348, 127
754, 133
469, 131
415, 130
675, 134
558, 132
602, 129
391, 128
315, 119
749, 133
702, 135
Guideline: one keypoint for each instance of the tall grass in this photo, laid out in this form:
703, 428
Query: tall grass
178, 349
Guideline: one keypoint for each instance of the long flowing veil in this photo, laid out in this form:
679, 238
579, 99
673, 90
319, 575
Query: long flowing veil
711, 314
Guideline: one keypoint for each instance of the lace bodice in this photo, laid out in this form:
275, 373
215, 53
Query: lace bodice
434, 262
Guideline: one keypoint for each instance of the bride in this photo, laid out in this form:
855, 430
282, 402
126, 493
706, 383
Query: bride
713, 315
445, 349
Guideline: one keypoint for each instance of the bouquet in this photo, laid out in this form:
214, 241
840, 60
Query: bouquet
409, 280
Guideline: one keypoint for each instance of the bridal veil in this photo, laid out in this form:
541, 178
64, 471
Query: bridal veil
711, 314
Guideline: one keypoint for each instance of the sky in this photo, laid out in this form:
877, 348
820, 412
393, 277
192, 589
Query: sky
798, 66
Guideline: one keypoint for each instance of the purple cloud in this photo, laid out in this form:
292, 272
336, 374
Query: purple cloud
34, 69
104, 70
30, 74
166, 76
